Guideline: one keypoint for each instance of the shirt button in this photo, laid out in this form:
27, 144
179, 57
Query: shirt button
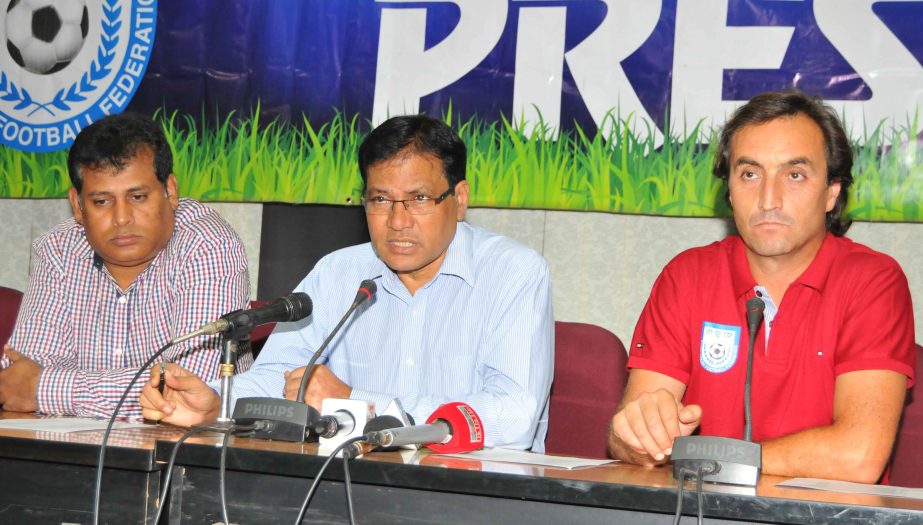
118, 351
409, 361
123, 299
414, 312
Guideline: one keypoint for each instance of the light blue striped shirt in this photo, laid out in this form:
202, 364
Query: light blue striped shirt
481, 332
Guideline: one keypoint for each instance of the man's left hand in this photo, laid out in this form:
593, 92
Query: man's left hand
19, 382
322, 384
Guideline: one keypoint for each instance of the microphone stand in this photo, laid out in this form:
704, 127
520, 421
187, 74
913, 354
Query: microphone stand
230, 343
226, 373
720, 459
295, 420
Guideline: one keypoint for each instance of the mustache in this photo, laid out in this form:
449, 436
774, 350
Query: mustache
774, 216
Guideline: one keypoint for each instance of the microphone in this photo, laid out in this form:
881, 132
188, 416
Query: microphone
375, 424
755, 307
414, 435
237, 324
466, 432
725, 460
452, 428
367, 289
295, 420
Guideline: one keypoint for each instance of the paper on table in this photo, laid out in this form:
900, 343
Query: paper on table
530, 458
853, 488
64, 425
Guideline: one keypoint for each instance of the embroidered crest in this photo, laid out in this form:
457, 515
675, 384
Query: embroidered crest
720, 344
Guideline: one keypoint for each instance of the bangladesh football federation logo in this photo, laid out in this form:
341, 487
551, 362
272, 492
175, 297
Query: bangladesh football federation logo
67, 63
720, 343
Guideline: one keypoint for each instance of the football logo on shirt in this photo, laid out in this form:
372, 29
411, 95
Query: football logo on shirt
720, 344
68, 63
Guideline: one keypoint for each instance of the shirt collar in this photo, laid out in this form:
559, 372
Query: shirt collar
818, 271
815, 276
459, 259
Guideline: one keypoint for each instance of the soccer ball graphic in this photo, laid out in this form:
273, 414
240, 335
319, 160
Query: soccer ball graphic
43, 36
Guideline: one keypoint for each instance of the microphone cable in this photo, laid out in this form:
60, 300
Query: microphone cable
166, 480
222, 484
349, 490
237, 429
702, 470
102, 448
681, 483
320, 473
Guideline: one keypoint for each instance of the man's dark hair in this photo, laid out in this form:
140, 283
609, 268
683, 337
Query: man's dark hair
415, 134
113, 141
770, 106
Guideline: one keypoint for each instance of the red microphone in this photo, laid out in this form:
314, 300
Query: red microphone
451, 428
465, 430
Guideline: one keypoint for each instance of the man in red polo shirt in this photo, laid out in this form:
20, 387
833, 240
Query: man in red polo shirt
835, 354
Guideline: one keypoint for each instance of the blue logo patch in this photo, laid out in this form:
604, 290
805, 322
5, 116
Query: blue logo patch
720, 344
58, 77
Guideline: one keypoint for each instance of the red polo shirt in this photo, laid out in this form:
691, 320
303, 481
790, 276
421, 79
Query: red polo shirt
850, 310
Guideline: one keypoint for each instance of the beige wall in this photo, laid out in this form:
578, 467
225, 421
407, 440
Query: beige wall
602, 265
25, 220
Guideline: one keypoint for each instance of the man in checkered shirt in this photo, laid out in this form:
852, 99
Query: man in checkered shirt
135, 267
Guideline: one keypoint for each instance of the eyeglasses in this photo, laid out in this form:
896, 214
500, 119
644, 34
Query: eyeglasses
419, 205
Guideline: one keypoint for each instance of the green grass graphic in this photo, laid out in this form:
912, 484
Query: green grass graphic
238, 160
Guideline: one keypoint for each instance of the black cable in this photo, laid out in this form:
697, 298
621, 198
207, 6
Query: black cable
166, 485
221, 470
102, 448
189, 433
698, 493
349, 490
320, 473
705, 468
679, 494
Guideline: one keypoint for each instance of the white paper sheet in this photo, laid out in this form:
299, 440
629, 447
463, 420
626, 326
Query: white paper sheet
853, 488
63, 425
530, 458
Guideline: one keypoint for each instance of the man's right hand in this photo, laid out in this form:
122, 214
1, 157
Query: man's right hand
186, 400
643, 430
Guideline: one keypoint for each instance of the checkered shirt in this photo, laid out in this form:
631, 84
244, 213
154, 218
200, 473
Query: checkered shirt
90, 337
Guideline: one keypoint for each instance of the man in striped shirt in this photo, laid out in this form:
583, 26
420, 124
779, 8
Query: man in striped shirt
135, 267
461, 314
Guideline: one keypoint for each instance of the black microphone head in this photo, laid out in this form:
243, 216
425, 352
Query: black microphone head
298, 304
379, 423
367, 289
755, 307
755, 304
382, 423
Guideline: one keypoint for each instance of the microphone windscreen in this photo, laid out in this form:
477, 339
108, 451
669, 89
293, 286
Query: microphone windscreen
367, 289
301, 305
382, 423
756, 304
465, 426
755, 307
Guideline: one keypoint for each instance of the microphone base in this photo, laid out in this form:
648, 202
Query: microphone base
737, 462
286, 420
